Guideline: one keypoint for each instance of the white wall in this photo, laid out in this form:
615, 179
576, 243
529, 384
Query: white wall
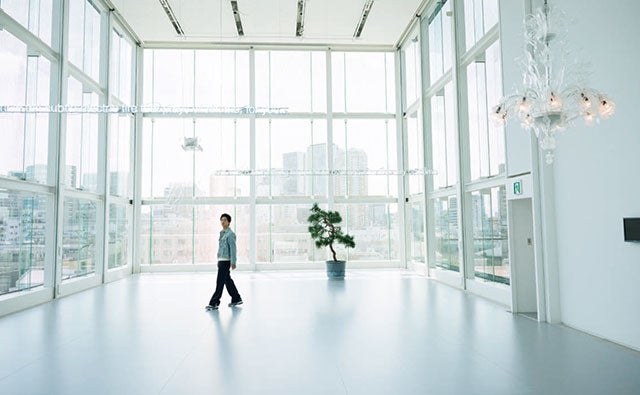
597, 179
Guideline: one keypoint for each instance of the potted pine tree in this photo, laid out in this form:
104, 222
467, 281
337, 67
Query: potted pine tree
325, 230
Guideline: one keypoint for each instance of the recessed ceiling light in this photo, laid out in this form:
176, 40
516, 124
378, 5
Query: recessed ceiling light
363, 18
172, 17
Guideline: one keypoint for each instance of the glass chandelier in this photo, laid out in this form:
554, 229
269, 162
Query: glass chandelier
553, 94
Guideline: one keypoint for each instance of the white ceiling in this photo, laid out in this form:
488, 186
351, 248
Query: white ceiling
330, 22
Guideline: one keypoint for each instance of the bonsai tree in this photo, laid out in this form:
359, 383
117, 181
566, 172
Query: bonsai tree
325, 230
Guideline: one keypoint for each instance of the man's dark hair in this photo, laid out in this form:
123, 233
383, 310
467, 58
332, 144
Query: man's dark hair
227, 216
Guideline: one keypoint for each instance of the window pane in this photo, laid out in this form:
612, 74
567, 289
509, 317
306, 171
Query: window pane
225, 150
338, 83
263, 234
76, 32
478, 120
285, 79
114, 65
415, 154
13, 71
411, 55
167, 234
371, 226
365, 146
24, 151
316, 160
491, 13
479, 17
118, 235
445, 220
166, 138
79, 238
17, 9
290, 238
34, 15
82, 140
121, 67
489, 214
319, 82
126, 71
22, 240
222, 78
391, 82
84, 37
438, 140
366, 83
297, 150
451, 133
173, 76
436, 66
282, 235
416, 239
440, 45
91, 54
486, 142
290, 140
443, 144
120, 176
494, 93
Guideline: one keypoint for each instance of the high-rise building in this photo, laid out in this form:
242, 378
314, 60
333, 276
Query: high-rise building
71, 176
316, 162
37, 173
357, 163
293, 184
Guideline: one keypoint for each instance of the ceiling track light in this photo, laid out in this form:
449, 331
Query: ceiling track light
236, 16
172, 17
363, 18
300, 18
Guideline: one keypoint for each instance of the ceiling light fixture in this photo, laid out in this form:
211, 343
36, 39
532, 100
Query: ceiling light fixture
553, 94
172, 17
300, 18
363, 18
236, 16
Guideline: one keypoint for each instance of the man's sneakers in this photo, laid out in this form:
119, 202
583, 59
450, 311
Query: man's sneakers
210, 307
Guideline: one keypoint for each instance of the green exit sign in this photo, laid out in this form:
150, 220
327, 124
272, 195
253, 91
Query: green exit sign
517, 187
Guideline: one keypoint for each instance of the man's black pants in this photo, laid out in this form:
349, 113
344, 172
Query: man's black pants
224, 280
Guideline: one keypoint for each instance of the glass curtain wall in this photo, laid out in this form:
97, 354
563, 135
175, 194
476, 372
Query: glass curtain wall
303, 139
119, 181
485, 173
415, 180
38, 129
27, 171
83, 134
459, 85
442, 140
209, 147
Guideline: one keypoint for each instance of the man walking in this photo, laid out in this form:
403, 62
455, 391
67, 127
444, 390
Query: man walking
226, 261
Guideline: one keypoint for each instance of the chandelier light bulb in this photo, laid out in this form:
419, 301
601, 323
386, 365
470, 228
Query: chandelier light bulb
499, 115
585, 102
527, 121
555, 102
588, 118
607, 108
523, 107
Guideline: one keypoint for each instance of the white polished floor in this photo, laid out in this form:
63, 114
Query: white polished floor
378, 332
